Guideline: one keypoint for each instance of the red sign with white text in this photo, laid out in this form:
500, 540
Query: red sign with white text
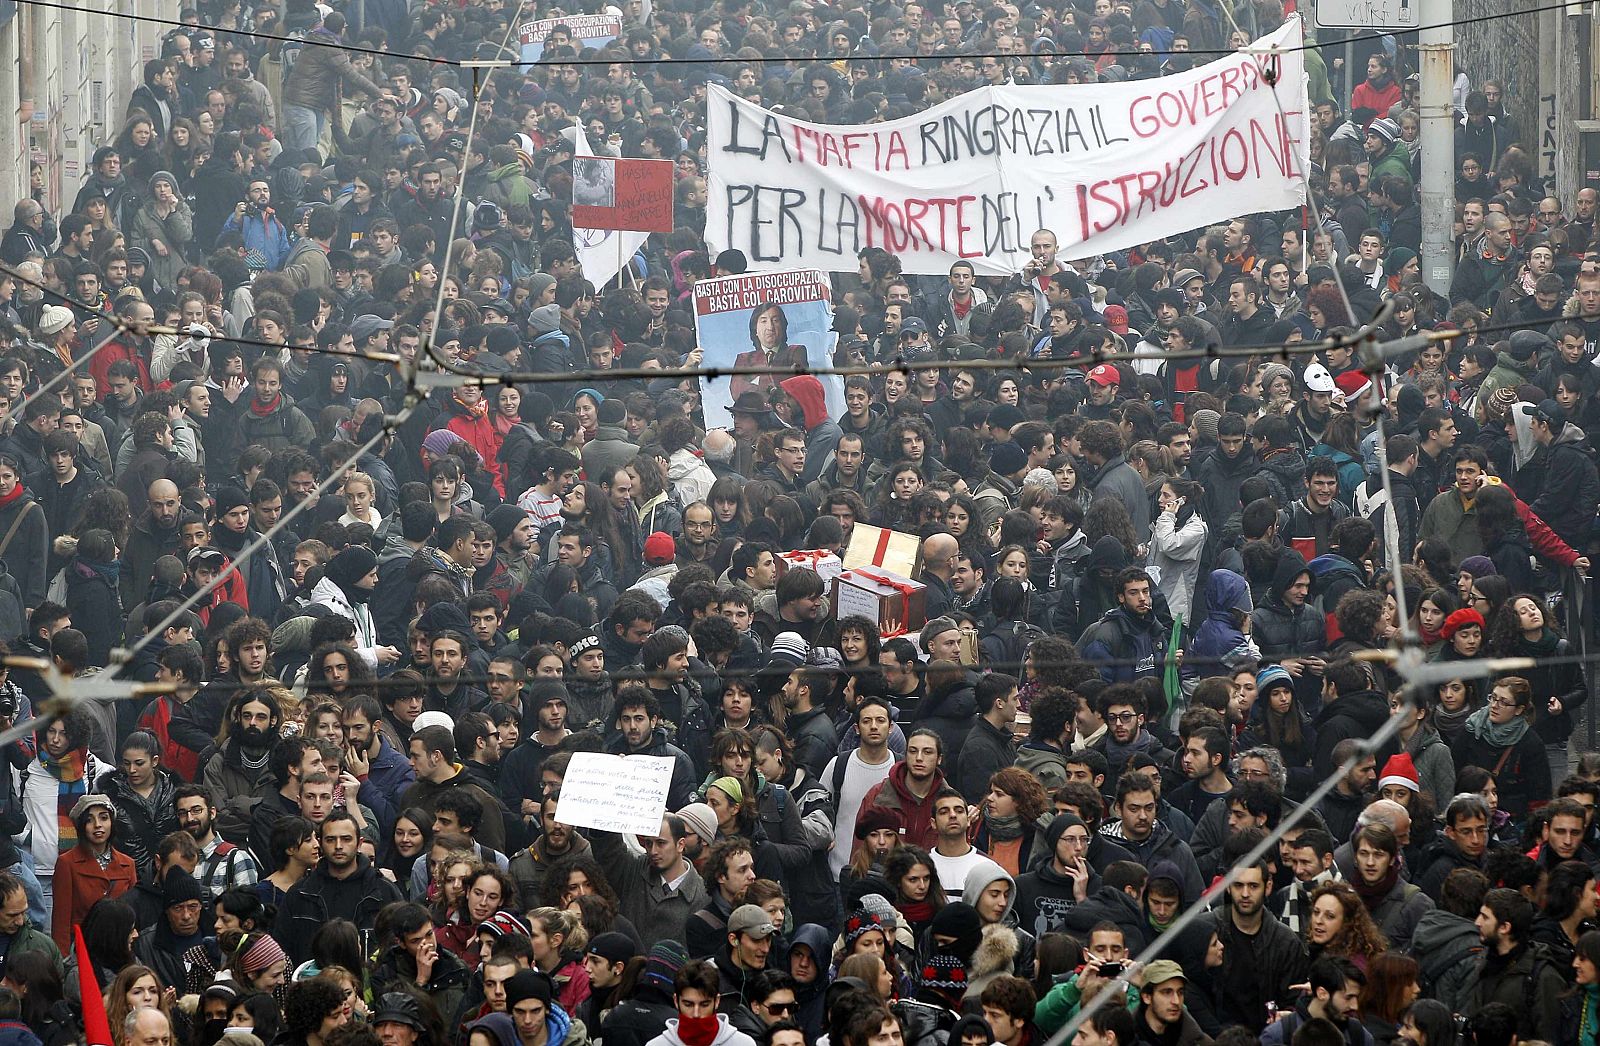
622, 195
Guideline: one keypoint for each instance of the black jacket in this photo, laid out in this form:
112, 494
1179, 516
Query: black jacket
985, 752
950, 710
1257, 969
319, 897
1109, 904
96, 610
1359, 714
1523, 772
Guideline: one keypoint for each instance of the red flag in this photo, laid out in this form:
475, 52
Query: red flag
96, 1027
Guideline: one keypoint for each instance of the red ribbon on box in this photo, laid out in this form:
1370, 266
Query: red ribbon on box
903, 587
882, 549
805, 557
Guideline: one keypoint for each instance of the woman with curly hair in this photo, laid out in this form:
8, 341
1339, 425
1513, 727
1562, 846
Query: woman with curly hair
572, 878
1008, 824
1341, 926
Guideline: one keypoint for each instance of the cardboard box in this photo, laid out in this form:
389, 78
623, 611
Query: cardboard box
893, 550
897, 604
825, 563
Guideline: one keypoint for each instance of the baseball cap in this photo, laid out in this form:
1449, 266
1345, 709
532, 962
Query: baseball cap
913, 325
1183, 276
751, 921
1318, 379
1161, 971
1105, 375
1116, 318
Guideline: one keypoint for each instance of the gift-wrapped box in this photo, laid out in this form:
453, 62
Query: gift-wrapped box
894, 551
825, 563
896, 603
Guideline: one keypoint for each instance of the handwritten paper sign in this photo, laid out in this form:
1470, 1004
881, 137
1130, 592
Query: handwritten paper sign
613, 793
1104, 166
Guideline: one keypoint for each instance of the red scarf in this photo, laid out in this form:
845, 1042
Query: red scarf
474, 410
7, 500
698, 1031
916, 911
261, 410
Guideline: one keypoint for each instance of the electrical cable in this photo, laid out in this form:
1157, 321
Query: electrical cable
1376, 34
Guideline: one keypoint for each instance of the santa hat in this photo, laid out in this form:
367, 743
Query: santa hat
1400, 770
1354, 384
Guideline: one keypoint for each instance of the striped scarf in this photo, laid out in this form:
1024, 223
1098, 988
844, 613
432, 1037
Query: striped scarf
68, 772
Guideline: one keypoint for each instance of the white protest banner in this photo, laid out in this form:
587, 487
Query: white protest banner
602, 253
1104, 166
614, 793
583, 30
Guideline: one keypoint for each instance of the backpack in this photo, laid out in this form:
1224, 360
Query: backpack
1011, 644
224, 855
289, 53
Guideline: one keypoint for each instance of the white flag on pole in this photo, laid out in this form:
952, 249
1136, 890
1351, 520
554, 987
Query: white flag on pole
602, 252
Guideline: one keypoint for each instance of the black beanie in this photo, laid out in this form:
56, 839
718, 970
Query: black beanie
351, 565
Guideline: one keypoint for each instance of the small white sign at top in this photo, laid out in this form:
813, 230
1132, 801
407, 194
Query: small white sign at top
1368, 14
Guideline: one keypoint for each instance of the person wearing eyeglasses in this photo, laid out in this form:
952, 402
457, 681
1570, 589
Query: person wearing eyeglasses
770, 997
1499, 737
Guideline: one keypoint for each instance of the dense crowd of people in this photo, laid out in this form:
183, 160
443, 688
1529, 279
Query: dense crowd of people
1162, 558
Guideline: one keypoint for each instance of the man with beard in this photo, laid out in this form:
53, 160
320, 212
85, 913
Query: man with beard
1509, 963
1140, 832
291, 760
1130, 640
519, 769
1261, 957
554, 841
233, 773
223, 866
369, 755
514, 553
698, 544
343, 885
1335, 996
636, 717
448, 694
430, 206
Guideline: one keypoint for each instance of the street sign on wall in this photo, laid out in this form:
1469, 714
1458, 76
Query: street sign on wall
1368, 14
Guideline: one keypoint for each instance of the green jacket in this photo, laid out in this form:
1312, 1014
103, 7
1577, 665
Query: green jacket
31, 939
1060, 1003
1448, 520
1394, 162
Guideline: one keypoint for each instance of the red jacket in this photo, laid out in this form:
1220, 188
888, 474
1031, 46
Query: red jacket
480, 432
116, 350
79, 882
916, 815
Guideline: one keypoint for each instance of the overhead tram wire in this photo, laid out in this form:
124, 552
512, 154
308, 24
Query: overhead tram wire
1213, 52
